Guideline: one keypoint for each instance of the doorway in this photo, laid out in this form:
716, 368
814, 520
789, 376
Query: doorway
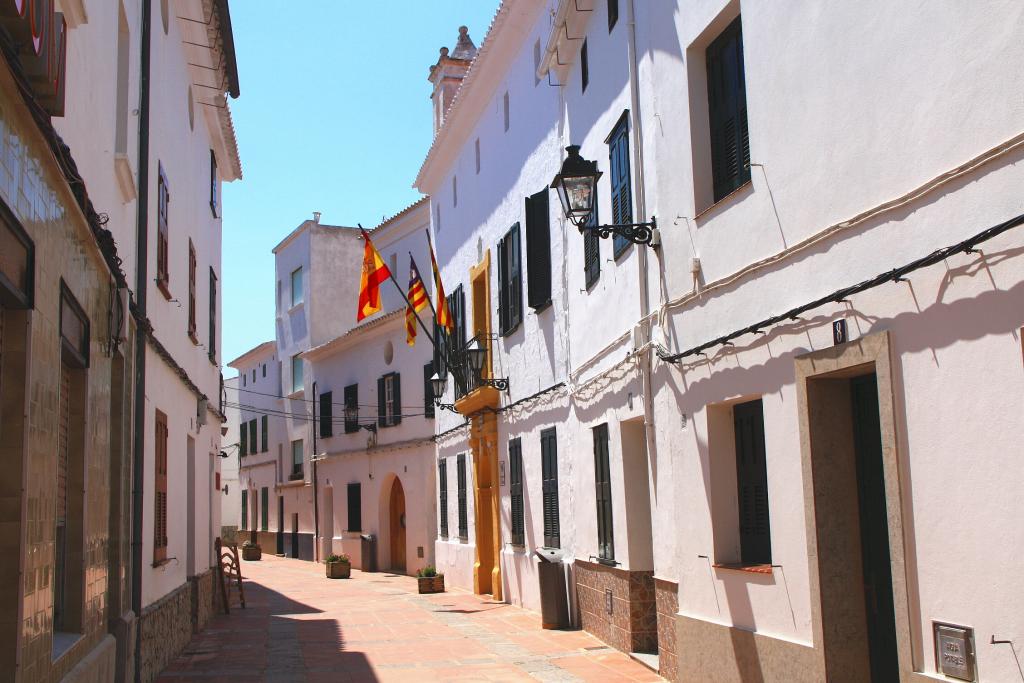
397, 525
280, 525
295, 535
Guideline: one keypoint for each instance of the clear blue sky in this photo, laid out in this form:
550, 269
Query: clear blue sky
334, 116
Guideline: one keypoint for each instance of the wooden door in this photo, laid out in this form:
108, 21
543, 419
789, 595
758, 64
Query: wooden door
397, 526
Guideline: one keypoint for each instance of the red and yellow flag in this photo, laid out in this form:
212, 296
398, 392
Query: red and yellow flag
375, 271
444, 316
417, 302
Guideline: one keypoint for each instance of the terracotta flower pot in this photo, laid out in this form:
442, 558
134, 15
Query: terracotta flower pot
431, 584
251, 553
339, 570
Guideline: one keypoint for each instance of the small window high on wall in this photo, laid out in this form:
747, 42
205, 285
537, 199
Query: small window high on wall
727, 111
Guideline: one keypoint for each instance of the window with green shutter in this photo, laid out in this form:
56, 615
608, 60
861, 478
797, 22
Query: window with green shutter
442, 486
428, 391
243, 440
621, 181
727, 111
265, 508
354, 495
460, 465
603, 494
538, 250
549, 487
591, 250
515, 476
326, 414
245, 509
510, 282
254, 444
265, 428
389, 400
752, 484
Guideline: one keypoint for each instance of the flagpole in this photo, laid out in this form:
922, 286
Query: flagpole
407, 302
429, 302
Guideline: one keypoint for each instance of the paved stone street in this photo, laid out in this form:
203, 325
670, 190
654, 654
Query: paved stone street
301, 626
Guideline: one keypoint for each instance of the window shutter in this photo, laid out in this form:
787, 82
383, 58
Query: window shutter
382, 405
538, 246
622, 193
503, 287
727, 111
613, 14
516, 279
603, 494
442, 485
266, 432
265, 508
515, 466
396, 418
212, 345
191, 289
355, 506
351, 408
549, 485
326, 414
461, 475
752, 484
254, 444
428, 391
160, 489
243, 440
245, 509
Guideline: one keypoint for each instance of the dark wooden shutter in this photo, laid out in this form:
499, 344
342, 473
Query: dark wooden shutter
351, 408
503, 286
160, 489
243, 440
621, 184
326, 414
592, 250
213, 184
752, 484
212, 345
461, 481
603, 494
191, 290
265, 428
245, 509
396, 417
442, 487
727, 111
428, 391
549, 486
515, 470
584, 66
355, 506
613, 14
382, 403
538, 250
265, 508
254, 444
163, 194
515, 278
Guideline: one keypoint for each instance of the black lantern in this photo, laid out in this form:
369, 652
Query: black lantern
476, 355
576, 184
438, 385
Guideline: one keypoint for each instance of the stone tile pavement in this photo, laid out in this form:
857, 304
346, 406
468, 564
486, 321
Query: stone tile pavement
300, 626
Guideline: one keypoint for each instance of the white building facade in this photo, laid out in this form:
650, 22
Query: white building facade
754, 435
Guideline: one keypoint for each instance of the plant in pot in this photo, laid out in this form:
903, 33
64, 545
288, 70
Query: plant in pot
251, 551
429, 580
338, 567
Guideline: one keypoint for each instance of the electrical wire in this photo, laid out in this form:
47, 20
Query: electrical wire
310, 400
308, 416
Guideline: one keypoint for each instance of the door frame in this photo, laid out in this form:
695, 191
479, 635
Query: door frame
871, 353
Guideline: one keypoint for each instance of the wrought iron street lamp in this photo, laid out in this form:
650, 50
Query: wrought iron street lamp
439, 385
576, 184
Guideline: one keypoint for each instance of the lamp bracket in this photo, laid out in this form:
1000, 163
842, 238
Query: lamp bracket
637, 233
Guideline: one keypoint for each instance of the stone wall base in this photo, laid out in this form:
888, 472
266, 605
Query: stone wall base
725, 654
123, 630
203, 604
667, 597
631, 624
99, 666
167, 625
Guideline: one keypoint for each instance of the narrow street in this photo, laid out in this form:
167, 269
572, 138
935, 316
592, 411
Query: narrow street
300, 626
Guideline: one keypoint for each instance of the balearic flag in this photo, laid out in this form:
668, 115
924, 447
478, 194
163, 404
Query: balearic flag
375, 271
417, 302
444, 316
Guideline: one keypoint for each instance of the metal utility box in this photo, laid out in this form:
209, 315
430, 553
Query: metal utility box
368, 550
551, 575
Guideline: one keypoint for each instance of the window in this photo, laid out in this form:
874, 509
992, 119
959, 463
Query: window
326, 414
355, 507
265, 508
727, 111
442, 486
264, 369
622, 192
752, 484
123, 76
160, 488
265, 428
163, 196
584, 66
245, 509
243, 440
505, 109
192, 292
437, 217
389, 400
613, 14
592, 250
297, 456
515, 475
214, 184
243, 376
351, 408
538, 250
297, 293
603, 485
476, 147
212, 350
254, 375
428, 391
510, 282
254, 444
549, 487
455, 190
460, 472
297, 381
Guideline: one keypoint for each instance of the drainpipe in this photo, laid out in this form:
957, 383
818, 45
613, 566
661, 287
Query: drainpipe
316, 497
141, 288
642, 252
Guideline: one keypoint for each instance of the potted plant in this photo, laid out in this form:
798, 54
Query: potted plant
429, 580
338, 567
251, 551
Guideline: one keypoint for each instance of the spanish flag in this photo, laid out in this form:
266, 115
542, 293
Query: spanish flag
444, 316
417, 301
375, 271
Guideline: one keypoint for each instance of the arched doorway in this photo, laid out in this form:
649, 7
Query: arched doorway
396, 516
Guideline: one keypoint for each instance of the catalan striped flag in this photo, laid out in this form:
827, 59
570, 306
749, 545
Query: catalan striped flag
375, 271
417, 301
444, 316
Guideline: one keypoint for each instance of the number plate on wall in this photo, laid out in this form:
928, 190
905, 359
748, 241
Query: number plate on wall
954, 650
